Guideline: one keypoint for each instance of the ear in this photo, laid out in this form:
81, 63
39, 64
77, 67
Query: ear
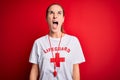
46, 19
63, 19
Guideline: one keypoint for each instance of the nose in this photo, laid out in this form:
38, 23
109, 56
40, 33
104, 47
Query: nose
55, 16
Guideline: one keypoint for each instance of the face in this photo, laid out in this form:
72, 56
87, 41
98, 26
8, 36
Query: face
55, 18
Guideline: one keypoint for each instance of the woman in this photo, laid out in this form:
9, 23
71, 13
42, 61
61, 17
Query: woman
56, 56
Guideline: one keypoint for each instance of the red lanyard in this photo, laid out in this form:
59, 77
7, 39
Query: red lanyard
55, 72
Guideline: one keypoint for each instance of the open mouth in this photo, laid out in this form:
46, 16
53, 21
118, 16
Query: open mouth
55, 22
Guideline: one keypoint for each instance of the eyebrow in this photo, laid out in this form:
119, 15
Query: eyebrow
60, 11
53, 11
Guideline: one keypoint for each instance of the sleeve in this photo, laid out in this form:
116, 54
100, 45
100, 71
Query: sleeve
78, 56
34, 54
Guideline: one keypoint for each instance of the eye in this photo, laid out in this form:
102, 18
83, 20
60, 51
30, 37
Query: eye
51, 12
59, 12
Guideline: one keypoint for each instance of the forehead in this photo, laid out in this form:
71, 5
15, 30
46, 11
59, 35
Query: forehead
55, 8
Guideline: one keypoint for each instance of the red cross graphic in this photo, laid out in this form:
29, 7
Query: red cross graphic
57, 60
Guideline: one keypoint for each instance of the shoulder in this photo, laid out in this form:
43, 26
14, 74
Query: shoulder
72, 37
41, 39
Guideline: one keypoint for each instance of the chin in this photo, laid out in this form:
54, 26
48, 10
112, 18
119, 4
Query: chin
55, 31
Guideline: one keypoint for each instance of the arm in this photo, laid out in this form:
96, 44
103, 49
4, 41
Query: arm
34, 72
76, 72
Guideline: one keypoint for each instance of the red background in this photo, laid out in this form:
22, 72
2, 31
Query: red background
95, 22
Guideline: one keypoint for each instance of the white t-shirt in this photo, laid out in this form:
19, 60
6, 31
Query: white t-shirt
69, 49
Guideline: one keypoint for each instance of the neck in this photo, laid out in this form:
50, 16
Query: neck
56, 35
